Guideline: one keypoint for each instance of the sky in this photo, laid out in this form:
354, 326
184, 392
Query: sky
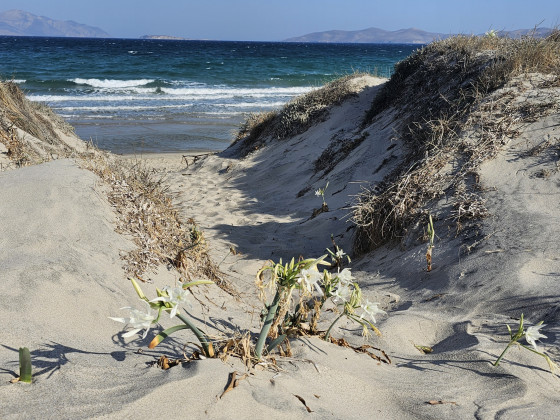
275, 20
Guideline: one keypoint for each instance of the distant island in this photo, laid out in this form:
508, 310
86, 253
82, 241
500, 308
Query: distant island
176, 38
401, 36
20, 23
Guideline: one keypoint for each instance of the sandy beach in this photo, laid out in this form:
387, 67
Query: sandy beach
494, 201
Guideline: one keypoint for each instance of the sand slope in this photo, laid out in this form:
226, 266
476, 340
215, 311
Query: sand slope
62, 277
459, 309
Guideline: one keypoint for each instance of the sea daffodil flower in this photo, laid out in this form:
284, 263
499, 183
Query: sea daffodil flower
340, 253
309, 279
345, 277
175, 296
532, 335
138, 320
342, 293
371, 309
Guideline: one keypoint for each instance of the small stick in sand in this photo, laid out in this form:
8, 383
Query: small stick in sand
438, 402
304, 403
233, 382
431, 234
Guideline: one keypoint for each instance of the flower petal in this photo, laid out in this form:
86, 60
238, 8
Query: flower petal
131, 332
123, 320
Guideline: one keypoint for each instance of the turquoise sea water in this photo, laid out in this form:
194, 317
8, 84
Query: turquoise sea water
139, 96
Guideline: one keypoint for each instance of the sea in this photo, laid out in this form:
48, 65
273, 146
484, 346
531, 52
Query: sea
135, 96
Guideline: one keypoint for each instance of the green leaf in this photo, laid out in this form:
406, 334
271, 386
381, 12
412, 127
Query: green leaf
138, 289
274, 343
267, 324
196, 283
520, 329
24, 365
166, 333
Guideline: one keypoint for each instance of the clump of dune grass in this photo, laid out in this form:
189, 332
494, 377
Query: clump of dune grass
15, 148
337, 150
296, 117
304, 111
438, 95
18, 115
145, 210
252, 132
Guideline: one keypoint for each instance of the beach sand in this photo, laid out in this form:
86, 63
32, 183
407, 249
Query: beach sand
62, 278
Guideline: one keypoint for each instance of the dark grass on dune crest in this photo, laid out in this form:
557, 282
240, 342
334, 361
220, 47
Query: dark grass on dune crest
295, 117
436, 95
34, 118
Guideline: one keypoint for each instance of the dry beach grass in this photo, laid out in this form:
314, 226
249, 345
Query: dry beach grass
457, 78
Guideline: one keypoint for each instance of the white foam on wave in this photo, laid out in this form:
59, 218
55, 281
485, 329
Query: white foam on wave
111, 84
125, 107
197, 94
19, 81
232, 92
250, 104
86, 98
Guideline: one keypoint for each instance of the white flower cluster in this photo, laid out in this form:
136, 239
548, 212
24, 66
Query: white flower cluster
341, 289
170, 299
343, 293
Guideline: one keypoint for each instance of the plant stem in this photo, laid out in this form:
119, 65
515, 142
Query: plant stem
267, 324
202, 337
533, 350
328, 333
497, 362
24, 365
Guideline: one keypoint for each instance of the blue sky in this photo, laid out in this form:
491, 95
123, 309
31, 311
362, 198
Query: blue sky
274, 20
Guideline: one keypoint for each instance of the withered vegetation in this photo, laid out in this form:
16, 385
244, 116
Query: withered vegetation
146, 211
18, 115
296, 117
140, 198
454, 103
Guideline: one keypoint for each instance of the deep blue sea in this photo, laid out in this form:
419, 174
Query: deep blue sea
142, 96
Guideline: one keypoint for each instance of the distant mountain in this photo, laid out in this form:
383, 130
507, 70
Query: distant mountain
402, 36
538, 32
372, 35
20, 23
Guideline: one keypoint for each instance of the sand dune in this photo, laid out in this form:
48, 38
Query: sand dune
62, 276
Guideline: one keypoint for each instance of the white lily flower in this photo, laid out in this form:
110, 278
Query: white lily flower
138, 320
371, 309
345, 277
532, 335
318, 193
175, 296
340, 253
342, 293
309, 279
